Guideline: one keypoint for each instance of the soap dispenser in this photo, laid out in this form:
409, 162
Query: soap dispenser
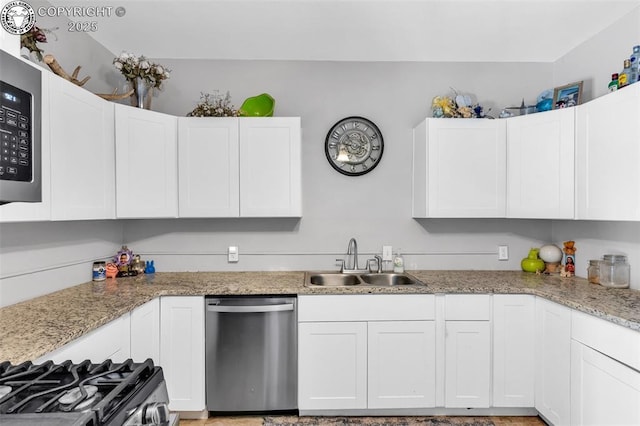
398, 263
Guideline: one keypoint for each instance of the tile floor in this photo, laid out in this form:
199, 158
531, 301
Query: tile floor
377, 421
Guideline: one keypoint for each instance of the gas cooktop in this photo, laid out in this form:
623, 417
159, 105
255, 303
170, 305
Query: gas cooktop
83, 394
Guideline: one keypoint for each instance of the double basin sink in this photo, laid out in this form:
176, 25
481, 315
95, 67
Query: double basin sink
340, 279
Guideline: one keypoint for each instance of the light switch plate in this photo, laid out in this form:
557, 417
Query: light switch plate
233, 254
387, 253
503, 252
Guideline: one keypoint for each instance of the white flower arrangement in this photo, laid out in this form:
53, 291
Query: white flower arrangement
132, 67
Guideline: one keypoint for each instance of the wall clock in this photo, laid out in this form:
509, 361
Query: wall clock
354, 146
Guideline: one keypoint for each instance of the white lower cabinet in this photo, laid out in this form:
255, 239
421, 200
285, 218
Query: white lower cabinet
182, 351
603, 390
468, 364
401, 369
467, 351
366, 352
553, 358
332, 366
111, 341
145, 332
513, 350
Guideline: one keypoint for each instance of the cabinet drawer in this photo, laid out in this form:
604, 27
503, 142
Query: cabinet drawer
385, 307
467, 307
615, 341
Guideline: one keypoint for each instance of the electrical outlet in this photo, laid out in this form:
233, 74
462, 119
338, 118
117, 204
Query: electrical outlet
233, 254
387, 253
503, 252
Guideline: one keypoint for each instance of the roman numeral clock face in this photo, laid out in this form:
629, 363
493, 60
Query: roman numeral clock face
354, 146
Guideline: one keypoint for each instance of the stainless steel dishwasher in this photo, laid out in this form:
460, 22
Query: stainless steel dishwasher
251, 354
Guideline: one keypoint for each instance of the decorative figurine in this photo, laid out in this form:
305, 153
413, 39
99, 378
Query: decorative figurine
569, 251
123, 260
150, 268
111, 270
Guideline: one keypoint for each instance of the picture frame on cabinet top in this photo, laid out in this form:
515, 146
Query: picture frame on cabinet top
568, 95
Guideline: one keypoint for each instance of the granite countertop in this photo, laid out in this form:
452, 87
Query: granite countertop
30, 329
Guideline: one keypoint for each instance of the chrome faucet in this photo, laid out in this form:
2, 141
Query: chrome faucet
352, 251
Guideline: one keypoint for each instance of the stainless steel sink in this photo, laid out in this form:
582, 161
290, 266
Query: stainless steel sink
329, 279
389, 279
338, 279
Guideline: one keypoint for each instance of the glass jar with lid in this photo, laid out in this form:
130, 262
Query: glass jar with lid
614, 271
593, 271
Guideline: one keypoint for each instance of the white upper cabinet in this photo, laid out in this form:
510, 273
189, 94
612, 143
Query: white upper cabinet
247, 167
459, 168
270, 167
208, 167
540, 165
608, 155
146, 163
82, 153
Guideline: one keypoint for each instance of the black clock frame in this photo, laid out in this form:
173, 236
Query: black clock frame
328, 137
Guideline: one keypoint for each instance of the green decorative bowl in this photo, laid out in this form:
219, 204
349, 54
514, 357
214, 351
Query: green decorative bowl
258, 106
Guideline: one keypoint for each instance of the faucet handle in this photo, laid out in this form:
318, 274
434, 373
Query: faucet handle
341, 264
378, 261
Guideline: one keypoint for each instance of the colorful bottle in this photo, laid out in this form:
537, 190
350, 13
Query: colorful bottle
613, 85
624, 75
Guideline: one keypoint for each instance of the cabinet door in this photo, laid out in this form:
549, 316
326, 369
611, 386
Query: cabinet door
332, 365
270, 167
467, 364
146, 163
182, 351
465, 169
208, 167
553, 357
603, 391
145, 332
401, 364
608, 155
513, 350
82, 153
540, 165
111, 341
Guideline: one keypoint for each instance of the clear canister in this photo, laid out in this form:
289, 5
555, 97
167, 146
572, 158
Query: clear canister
593, 271
614, 271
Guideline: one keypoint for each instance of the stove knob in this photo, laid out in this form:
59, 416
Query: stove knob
156, 413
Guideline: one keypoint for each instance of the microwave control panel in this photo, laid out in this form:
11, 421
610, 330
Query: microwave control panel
16, 143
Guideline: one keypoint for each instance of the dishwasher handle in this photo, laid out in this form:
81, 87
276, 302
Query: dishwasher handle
250, 309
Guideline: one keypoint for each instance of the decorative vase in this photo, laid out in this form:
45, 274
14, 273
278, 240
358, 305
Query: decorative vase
532, 263
142, 93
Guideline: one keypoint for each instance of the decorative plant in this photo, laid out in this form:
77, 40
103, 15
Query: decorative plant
214, 105
132, 67
31, 38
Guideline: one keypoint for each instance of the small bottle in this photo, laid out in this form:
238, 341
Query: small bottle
635, 63
593, 271
398, 263
613, 85
624, 75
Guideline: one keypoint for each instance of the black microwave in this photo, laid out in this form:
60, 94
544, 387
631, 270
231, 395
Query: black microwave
20, 130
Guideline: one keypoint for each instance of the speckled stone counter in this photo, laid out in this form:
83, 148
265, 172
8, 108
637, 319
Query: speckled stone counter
32, 328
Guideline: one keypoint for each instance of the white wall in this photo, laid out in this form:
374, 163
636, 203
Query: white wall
604, 54
42, 257
374, 208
